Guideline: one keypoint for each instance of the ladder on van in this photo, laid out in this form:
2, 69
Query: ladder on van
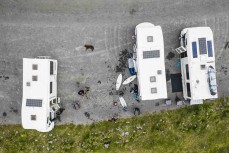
180, 50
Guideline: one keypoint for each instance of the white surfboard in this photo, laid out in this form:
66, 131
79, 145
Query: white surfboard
119, 82
123, 103
130, 79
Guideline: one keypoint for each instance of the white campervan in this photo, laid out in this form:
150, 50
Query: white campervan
150, 61
39, 101
198, 64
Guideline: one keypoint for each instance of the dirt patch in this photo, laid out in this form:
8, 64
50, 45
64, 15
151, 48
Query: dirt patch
122, 65
167, 74
170, 55
4, 114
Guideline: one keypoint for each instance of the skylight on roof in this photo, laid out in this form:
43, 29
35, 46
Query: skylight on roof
152, 79
151, 54
153, 90
149, 38
202, 46
34, 102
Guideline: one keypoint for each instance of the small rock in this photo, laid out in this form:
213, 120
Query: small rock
4, 114
50, 142
139, 127
106, 145
126, 133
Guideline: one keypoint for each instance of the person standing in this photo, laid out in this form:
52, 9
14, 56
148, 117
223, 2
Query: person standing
134, 92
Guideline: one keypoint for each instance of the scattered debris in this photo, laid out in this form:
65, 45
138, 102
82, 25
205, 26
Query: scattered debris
4, 114
115, 103
60, 111
76, 105
122, 65
121, 93
167, 74
87, 115
170, 55
106, 145
133, 11
139, 127
13, 110
125, 108
224, 69
226, 45
114, 92
84, 92
136, 111
77, 84
168, 101
124, 134
50, 142
81, 93
6, 77
114, 117
91, 47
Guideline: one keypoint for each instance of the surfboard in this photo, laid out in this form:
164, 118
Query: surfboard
130, 79
123, 103
119, 82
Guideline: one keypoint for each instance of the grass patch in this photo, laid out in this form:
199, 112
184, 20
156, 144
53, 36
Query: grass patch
201, 128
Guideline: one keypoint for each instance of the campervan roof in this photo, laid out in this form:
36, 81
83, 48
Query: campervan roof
35, 102
200, 56
150, 62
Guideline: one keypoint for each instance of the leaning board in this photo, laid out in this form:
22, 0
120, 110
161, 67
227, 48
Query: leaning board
119, 82
130, 79
123, 102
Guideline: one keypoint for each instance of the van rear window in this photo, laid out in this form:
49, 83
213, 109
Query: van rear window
194, 50
209, 43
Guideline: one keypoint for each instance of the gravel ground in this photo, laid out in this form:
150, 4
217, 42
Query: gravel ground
61, 28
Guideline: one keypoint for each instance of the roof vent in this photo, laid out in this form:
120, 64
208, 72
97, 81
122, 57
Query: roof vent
150, 39
159, 72
28, 84
152, 79
33, 117
202, 67
153, 90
